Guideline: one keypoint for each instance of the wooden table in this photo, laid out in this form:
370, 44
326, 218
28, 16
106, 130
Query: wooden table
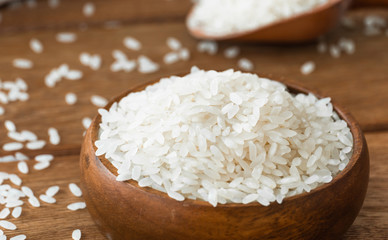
359, 82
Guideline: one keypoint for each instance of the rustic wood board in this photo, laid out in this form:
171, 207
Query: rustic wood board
357, 82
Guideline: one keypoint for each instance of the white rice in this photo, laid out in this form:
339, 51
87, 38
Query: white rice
35, 145
184, 54
174, 44
335, 51
63, 71
221, 17
7, 158
146, 65
7, 225
122, 63
52, 191
232, 52
224, 137
19, 237
132, 43
27, 191
10, 126
36, 46
347, 45
374, 25
15, 179
28, 136
74, 75
86, 122
171, 57
23, 167
76, 235
17, 212
71, 98
21, 157
41, 165
4, 213
209, 47
76, 206
12, 146
47, 199
245, 64
75, 190
44, 157
92, 61
177, 51
54, 137
22, 63
34, 201
307, 68
98, 101
14, 203
88, 9
66, 37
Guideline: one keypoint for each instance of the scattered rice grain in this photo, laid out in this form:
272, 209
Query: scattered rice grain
22, 63
71, 98
75, 190
23, 167
307, 68
76, 235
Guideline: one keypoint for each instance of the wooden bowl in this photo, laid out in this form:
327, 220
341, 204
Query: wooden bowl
301, 27
123, 210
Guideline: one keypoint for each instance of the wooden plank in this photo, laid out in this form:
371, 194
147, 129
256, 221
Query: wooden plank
54, 221
19, 16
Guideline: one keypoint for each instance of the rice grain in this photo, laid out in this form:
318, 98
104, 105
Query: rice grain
76, 235
23, 167
75, 190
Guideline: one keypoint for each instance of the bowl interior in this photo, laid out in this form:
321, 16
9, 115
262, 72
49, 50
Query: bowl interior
293, 87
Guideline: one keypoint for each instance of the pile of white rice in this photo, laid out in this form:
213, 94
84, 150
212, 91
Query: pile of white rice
224, 137
220, 17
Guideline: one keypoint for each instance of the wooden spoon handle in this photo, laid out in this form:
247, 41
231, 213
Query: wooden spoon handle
369, 3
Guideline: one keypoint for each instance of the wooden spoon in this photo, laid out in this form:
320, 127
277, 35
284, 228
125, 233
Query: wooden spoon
123, 210
299, 28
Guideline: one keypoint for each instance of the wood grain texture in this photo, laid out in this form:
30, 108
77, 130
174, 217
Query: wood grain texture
52, 221
357, 82
69, 13
372, 222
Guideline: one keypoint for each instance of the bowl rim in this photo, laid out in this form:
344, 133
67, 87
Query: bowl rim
293, 87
